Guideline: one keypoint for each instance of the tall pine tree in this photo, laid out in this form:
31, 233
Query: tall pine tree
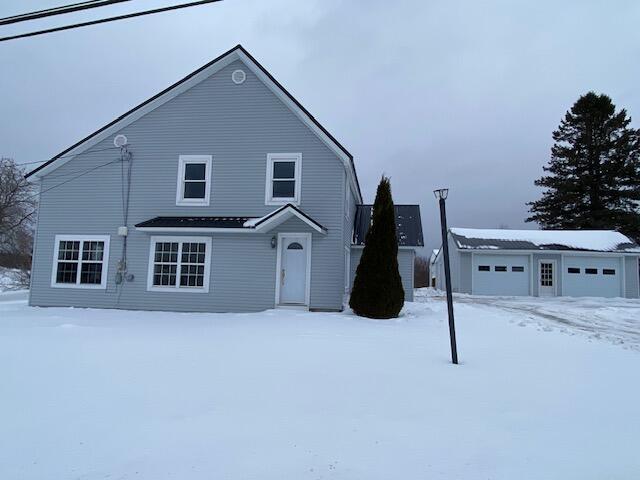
593, 178
377, 288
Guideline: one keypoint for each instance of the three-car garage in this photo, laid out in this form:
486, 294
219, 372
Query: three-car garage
573, 263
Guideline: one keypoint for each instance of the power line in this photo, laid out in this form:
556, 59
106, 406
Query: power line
77, 176
63, 183
61, 10
109, 19
67, 156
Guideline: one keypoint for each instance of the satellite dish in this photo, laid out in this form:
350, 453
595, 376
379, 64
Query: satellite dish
120, 141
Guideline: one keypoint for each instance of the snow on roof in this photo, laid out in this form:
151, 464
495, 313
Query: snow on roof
593, 240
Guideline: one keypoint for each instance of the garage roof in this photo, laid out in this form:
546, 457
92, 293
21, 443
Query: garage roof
583, 240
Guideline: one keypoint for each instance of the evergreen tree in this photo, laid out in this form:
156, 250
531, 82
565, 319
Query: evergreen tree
593, 178
377, 288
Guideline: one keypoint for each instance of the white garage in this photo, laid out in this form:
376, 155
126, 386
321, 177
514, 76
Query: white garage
545, 263
501, 275
588, 276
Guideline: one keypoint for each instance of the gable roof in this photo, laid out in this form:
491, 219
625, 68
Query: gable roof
281, 214
581, 240
236, 53
408, 225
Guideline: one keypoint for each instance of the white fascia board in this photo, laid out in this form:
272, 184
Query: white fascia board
140, 112
284, 215
186, 85
304, 118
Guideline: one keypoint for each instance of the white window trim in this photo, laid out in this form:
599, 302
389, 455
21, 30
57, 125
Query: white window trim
183, 160
81, 238
268, 190
180, 239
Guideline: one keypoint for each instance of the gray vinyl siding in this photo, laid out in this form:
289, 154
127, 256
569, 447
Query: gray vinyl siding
632, 279
464, 272
238, 125
406, 259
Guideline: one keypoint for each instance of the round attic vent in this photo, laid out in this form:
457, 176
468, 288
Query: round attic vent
238, 76
120, 140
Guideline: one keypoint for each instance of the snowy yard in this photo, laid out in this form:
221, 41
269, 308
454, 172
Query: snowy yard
95, 394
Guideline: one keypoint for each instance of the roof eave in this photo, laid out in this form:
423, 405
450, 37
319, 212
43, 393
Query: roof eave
236, 53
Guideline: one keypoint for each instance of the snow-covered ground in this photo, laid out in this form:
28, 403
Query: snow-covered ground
615, 320
95, 394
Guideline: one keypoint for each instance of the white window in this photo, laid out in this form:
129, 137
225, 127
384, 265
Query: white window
179, 264
283, 178
80, 261
194, 180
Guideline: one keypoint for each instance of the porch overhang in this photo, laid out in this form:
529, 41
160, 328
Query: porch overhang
228, 224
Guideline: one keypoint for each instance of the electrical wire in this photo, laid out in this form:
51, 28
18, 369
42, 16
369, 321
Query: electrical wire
67, 156
73, 178
64, 183
61, 10
109, 19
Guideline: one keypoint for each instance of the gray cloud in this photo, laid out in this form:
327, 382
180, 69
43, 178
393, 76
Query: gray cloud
457, 94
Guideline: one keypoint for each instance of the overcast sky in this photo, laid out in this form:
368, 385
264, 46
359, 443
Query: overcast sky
432, 93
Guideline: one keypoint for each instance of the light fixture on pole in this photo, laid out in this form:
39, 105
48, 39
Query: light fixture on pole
441, 194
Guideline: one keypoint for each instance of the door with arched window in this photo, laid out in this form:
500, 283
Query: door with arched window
294, 269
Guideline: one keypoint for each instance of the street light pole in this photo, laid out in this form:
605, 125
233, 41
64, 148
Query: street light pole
441, 195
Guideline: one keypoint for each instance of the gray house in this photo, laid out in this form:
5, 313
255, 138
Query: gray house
573, 263
220, 193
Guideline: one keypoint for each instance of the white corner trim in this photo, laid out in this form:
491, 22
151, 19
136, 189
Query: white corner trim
180, 239
347, 269
81, 238
183, 161
268, 188
281, 237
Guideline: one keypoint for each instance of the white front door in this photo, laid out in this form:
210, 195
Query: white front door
547, 278
294, 259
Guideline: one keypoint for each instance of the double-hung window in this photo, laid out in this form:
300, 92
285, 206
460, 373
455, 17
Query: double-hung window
194, 180
283, 178
179, 264
80, 261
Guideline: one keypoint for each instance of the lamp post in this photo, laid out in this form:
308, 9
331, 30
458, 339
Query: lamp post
441, 195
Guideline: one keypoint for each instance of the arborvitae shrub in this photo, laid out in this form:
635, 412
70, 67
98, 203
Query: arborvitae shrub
377, 288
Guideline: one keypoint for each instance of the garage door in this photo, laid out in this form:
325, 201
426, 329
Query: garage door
592, 277
501, 275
